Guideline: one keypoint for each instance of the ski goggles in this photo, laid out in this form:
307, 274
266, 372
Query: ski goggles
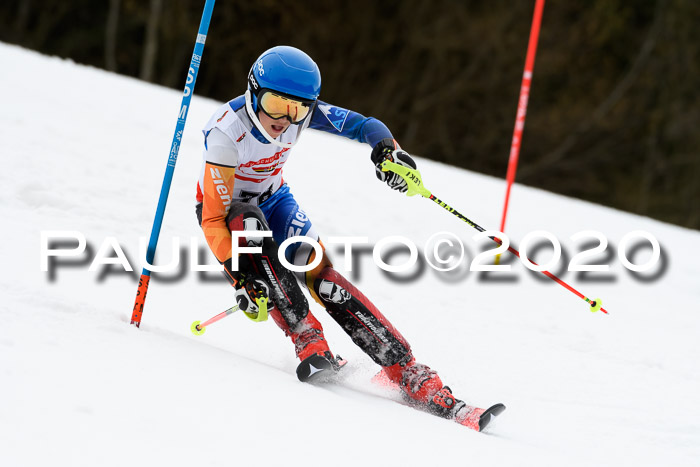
277, 106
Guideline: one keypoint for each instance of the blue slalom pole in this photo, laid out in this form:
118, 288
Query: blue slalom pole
172, 159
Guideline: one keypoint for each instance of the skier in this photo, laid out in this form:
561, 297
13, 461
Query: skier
241, 188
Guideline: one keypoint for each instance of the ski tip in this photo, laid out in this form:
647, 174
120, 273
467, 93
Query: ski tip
489, 414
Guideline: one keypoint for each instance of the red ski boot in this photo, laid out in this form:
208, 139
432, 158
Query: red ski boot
417, 381
308, 338
312, 349
423, 389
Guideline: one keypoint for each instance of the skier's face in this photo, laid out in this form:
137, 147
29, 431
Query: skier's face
273, 127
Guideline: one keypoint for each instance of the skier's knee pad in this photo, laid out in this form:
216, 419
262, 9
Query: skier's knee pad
243, 217
360, 319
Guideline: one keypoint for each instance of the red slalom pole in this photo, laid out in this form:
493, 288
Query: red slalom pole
522, 106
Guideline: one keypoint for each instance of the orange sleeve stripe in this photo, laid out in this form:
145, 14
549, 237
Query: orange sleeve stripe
217, 194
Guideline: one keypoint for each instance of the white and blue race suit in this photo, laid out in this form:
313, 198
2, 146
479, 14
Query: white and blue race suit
233, 143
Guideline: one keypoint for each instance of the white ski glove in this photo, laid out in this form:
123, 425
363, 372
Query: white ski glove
386, 150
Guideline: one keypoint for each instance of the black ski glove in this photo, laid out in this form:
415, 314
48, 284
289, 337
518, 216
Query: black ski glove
386, 150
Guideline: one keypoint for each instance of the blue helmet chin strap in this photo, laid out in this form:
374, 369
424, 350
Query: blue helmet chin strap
254, 118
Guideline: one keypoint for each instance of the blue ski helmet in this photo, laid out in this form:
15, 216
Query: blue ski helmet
287, 70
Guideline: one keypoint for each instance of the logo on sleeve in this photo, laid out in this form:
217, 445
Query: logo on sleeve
335, 115
222, 117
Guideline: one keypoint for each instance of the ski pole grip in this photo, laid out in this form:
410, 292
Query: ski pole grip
413, 179
261, 315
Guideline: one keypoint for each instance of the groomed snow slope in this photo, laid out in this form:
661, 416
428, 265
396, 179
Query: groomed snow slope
85, 150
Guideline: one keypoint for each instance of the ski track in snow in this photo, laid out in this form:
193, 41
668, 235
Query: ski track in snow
85, 150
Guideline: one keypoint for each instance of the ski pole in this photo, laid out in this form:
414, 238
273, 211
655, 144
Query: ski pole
142, 289
198, 327
416, 187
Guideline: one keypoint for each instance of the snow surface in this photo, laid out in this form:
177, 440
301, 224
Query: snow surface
85, 150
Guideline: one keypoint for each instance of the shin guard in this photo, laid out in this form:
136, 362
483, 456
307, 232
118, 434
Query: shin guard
360, 319
290, 304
